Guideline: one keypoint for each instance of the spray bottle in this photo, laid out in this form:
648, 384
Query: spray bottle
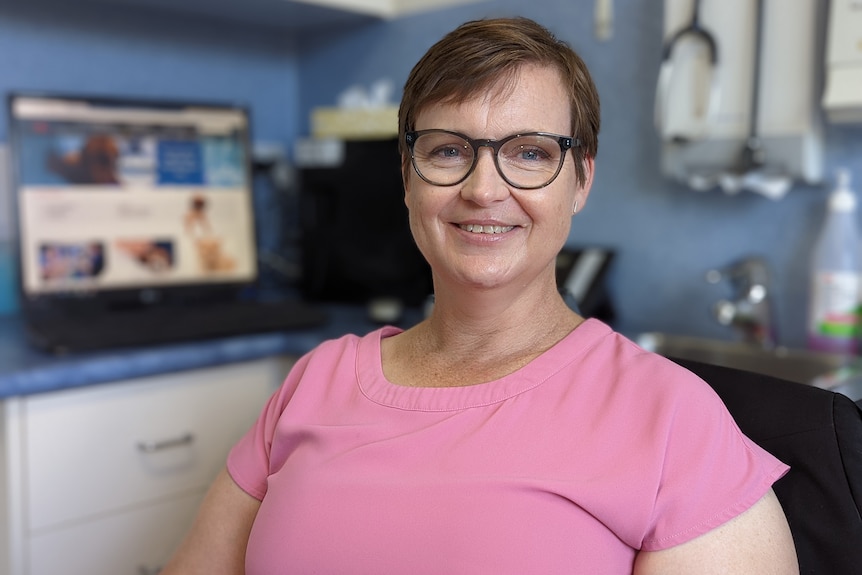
836, 275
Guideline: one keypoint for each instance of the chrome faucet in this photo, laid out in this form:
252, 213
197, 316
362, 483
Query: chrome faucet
749, 312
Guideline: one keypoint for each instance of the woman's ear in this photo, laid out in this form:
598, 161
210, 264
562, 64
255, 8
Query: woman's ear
405, 176
583, 191
589, 169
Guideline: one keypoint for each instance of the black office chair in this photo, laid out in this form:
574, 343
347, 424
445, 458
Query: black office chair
819, 434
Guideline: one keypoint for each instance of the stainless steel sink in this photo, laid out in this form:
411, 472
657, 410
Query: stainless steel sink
836, 372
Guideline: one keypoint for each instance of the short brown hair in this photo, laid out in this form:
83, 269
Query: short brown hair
480, 54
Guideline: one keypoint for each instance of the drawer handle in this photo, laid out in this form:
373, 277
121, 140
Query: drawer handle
154, 446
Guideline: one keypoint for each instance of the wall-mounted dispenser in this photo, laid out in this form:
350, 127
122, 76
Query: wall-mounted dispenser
842, 99
738, 93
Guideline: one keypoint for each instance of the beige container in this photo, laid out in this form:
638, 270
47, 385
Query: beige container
355, 124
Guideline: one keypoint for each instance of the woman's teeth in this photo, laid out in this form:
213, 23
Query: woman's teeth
477, 229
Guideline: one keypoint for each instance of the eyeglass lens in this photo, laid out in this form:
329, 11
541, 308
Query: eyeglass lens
529, 161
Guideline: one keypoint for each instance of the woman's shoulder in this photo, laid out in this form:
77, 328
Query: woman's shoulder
624, 367
348, 343
333, 356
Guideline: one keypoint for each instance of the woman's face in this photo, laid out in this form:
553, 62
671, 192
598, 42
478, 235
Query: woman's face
527, 227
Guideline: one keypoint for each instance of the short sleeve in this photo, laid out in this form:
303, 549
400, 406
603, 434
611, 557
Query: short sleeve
710, 471
248, 461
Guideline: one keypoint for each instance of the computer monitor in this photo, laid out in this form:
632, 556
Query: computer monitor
130, 202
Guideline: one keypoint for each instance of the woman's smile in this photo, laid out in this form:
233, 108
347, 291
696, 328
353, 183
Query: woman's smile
485, 228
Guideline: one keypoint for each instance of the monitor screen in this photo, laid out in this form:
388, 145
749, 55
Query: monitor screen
119, 195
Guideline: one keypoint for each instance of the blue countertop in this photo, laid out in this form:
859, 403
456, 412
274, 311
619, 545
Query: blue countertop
25, 370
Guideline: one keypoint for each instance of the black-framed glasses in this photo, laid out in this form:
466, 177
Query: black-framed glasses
525, 161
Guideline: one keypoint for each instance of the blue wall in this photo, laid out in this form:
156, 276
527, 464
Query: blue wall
74, 46
665, 235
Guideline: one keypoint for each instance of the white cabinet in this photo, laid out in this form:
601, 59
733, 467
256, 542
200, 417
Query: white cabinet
105, 480
385, 8
133, 542
295, 15
379, 8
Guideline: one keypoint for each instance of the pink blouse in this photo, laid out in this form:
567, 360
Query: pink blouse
594, 450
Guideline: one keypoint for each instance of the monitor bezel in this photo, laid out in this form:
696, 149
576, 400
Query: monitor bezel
114, 298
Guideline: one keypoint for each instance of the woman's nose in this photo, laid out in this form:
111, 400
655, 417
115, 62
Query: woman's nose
485, 185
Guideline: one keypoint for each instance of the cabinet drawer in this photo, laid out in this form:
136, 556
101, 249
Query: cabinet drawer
98, 449
136, 542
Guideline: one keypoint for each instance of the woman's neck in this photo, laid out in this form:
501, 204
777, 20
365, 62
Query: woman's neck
469, 340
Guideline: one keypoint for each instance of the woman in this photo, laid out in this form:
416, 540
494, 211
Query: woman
505, 433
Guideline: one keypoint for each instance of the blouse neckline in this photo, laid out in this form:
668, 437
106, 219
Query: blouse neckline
375, 386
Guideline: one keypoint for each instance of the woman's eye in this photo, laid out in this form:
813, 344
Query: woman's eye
531, 154
447, 152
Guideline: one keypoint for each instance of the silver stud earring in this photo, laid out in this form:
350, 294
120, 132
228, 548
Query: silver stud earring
575, 208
